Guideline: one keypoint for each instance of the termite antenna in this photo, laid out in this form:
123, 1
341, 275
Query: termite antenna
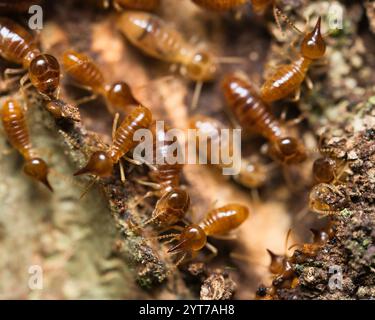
279, 14
179, 261
287, 241
88, 187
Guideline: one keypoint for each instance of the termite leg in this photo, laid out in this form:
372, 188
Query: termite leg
24, 87
88, 187
153, 185
297, 95
132, 161
9, 72
213, 250
229, 236
309, 83
86, 99
179, 261
255, 195
114, 128
196, 95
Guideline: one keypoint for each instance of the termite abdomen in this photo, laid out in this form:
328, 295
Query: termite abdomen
250, 111
165, 174
324, 169
171, 207
83, 70
224, 219
14, 124
16, 44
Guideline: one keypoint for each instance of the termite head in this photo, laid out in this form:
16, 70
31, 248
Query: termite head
288, 150
320, 198
171, 207
313, 46
324, 169
320, 236
192, 238
63, 110
120, 94
202, 67
44, 72
277, 263
100, 164
37, 169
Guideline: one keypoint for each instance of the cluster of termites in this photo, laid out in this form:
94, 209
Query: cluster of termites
249, 106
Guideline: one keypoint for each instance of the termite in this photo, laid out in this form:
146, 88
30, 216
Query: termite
63, 110
17, 6
321, 198
253, 174
146, 5
170, 208
101, 163
164, 176
282, 267
288, 78
254, 115
17, 45
154, 37
327, 169
217, 223
83, 70
220, 5
16, 129
259, 7
320, 238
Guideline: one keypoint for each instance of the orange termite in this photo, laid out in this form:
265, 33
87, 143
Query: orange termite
259, 6
17, 6
63, 110
154, 37
282, 267
17, 45
164, 174
288, 78
146, 5
254, 115
170, 208
15, 127
321, 199
253, 174
86, 73
220, 5
101, 163
324, 169
320, 238
218, 222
